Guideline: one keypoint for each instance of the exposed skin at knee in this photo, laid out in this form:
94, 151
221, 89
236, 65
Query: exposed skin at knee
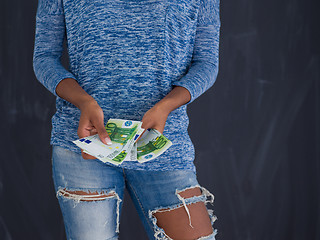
87, 196
90, 196
175, 222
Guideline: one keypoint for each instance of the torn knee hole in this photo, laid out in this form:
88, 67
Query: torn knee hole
191, 195
163, 219
190, 192
188, 196
85, 196
183, 194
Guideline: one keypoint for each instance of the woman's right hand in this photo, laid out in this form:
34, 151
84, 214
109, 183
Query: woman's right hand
92, 122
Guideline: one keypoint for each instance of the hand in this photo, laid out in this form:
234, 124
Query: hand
92, 122
155, 118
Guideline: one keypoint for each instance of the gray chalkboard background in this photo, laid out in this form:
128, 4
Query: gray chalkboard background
256, 131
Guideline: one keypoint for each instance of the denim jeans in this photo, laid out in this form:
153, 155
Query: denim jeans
98, 216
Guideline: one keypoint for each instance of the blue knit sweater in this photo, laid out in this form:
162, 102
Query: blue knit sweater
128, 54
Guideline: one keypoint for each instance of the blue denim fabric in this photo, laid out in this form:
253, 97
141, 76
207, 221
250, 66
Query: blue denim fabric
149, 190
128, 55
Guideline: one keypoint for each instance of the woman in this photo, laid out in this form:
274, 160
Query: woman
140, 60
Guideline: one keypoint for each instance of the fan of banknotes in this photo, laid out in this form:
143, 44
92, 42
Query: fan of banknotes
125, 145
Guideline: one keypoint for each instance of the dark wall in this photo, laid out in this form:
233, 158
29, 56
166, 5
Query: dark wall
256, 131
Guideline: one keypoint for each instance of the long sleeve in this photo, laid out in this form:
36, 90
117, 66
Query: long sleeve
48, 47
205, 60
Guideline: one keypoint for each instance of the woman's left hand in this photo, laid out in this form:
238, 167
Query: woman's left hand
155, 118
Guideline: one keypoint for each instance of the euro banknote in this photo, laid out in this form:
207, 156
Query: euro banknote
125, 146
151, 144
121, 133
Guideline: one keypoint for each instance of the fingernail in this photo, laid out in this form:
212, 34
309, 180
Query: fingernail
108, 141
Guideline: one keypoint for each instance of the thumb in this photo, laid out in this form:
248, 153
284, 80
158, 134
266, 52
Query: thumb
103, 134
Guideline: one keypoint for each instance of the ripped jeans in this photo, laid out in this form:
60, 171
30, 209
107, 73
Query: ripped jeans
97, 216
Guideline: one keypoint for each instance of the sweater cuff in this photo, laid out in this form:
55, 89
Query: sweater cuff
58, 79
186, 86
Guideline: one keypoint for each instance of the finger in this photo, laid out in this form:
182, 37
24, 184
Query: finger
84, 128
146, 125
93, 131
87, 156
159, 129
103, 134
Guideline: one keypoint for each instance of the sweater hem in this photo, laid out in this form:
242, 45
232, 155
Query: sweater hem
181, 164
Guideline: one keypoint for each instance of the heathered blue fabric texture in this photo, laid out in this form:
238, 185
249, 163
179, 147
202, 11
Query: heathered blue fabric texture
128, 55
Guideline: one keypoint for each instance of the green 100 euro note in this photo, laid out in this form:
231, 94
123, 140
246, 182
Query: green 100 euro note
151, 144
122, 134
125, 146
